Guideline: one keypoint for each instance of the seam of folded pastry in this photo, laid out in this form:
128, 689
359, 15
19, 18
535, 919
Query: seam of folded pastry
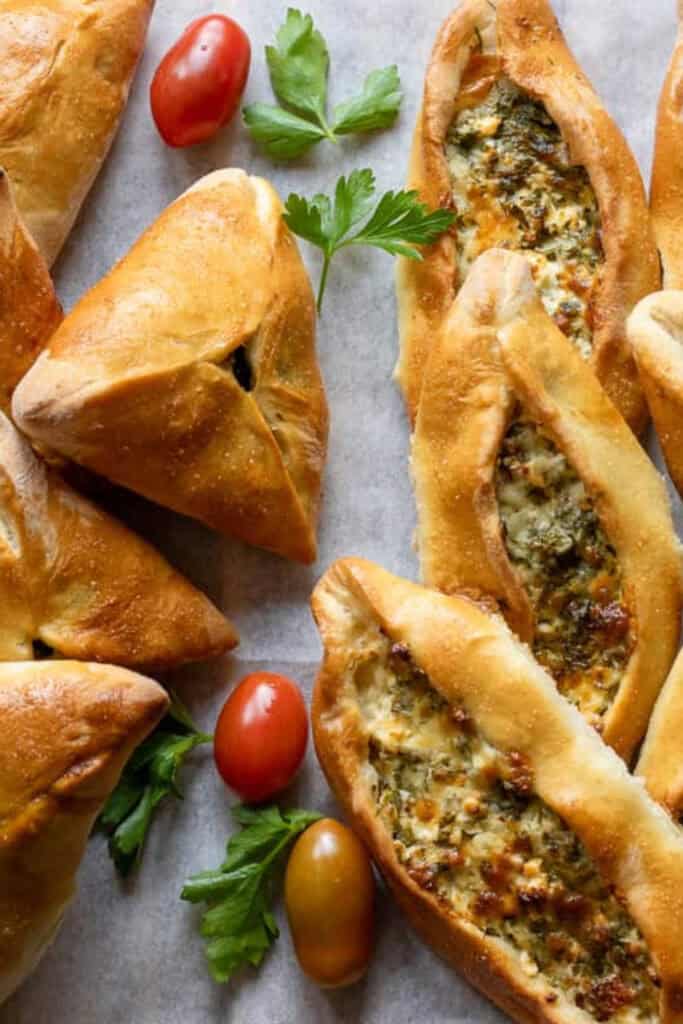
51, 224
36, 495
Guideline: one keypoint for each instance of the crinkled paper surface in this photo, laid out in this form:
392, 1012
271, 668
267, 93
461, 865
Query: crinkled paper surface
130, 954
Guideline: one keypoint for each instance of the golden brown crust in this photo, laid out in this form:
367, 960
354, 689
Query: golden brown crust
526, 37
666, 187
29, 308
660, 763
655, 329
66, 67
80, 582
472, 659
68, 730
499, 346
137, 382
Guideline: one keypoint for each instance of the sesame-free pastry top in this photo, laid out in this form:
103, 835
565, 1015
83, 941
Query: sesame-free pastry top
29, 309
68, 729
189, 373
76, 583
66, 67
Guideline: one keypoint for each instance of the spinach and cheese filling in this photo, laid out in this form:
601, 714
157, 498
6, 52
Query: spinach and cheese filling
567, 567
468, 828
514, 185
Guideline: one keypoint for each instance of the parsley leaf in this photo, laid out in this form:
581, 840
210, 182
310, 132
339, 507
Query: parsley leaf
283, 135
150, 775
298, 67
239, 927
375, 108
398, 224
299, 64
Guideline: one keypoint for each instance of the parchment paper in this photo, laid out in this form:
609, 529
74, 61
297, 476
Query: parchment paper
130, 954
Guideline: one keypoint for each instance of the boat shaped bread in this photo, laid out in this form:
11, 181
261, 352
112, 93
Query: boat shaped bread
532, 492
189, 374
660, 763
67, 730
666, 188
512, 136
75, 581
29, 308
514, 839
656, 332
66, 67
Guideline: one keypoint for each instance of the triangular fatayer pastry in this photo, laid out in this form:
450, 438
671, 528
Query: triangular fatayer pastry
65, 70
67, 731
513, 838
189, 374
514, 139
29, 308
75, 580
531, 490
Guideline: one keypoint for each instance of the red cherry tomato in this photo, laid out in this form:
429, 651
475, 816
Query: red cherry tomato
261, 735
199, 83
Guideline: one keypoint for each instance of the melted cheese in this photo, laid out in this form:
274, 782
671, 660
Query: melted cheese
514, 185
568, 568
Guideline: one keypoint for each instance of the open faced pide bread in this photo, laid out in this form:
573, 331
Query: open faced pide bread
512, 136
655, 330
189, 374
660, 763
514, 839
666, 189
75, 581
66, 67
67, 730
532, 491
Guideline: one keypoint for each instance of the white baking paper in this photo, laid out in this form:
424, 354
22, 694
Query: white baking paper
130, 953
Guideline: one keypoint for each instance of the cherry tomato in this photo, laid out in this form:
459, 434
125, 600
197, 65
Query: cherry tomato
329, 895
261, 735
199, 83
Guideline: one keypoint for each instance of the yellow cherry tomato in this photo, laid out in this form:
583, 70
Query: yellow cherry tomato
329, 895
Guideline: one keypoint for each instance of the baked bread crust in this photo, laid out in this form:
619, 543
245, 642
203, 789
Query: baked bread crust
497, 346
66, 67
137, 383
666, 185
29, 308
526, 37
473, 660
68, 730
660, 764
74, 578
655, 330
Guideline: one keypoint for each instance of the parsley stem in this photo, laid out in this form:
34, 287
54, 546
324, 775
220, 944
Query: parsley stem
323, 280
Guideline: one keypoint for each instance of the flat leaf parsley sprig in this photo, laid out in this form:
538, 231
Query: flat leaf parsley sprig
149, 776
298, 65
239, 926
398, 224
